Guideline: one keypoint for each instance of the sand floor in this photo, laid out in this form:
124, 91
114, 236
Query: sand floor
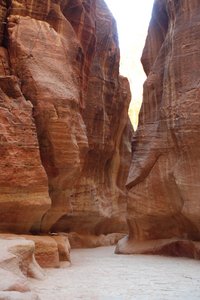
99, 274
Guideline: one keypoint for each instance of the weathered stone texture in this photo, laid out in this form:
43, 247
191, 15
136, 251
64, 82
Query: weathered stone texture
23, 183
164, 200
17, 262
48, 251
65, 129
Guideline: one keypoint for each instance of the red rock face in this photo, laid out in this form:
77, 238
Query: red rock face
63, 81
164, 176
23, 183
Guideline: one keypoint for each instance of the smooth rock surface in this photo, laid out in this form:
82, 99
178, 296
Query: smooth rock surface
17, 255
164, 198
11, 282
17, 262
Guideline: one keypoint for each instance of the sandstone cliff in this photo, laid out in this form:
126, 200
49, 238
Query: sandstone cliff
164, 205
65, 131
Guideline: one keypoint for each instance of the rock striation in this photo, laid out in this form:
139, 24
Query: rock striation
49, 251
163, 183
64, 128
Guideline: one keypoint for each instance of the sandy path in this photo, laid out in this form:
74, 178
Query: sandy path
98, 274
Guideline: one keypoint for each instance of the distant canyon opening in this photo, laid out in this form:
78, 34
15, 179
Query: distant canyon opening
132, 19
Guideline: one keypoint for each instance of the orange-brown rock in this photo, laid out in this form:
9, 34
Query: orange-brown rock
23, 183
49, 251
64, 247
92, 241
64, 125
46, 251
169, 247
164, 176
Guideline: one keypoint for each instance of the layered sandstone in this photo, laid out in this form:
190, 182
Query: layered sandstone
24, 194
65, 132
48, 251
164, 205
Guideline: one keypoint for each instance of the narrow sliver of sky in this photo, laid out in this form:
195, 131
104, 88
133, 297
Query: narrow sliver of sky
132, 22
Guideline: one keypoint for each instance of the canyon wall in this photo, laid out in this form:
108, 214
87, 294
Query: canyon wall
65, 133
163, 183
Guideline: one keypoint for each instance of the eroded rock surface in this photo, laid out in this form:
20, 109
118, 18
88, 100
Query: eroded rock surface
48, 251
24, 194
65, 132
92, 241
164, 176
17, 262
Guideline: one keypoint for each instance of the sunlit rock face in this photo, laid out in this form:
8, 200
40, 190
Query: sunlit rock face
65, 133
24, 194
164, 205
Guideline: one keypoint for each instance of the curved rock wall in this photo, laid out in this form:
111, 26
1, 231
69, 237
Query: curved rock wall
164, 202
65, 130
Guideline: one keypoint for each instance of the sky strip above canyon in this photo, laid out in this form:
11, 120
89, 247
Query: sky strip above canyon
132, 22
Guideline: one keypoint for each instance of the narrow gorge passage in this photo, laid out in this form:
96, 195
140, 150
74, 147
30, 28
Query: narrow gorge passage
73, 172
99, 274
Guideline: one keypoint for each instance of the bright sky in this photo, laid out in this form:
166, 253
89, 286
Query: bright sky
132, 21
